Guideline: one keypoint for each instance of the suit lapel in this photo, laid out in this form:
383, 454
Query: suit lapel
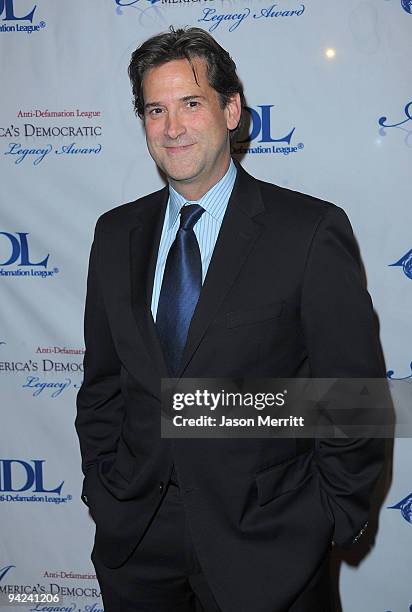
144, 246
237, 236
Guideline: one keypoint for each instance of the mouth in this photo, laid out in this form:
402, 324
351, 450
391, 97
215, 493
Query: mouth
179, 149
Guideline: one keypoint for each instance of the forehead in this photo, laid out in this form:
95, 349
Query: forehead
176, 76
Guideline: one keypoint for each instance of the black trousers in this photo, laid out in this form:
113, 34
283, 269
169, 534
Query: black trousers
163, 574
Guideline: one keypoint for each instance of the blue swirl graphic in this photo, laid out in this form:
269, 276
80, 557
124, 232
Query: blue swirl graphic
407, 111
391, 376
406, 263
405, 506
407, 6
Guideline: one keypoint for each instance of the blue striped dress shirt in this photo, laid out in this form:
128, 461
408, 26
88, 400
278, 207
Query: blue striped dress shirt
206, 229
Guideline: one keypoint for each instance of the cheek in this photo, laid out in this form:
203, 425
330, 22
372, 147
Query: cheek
218, 127
208, 131
153, 134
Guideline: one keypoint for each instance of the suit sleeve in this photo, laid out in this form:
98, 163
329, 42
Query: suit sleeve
99, 401
342, 342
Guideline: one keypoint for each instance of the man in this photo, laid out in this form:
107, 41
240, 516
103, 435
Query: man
216, 275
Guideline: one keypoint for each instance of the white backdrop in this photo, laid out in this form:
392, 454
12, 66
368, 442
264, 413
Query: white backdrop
336, 124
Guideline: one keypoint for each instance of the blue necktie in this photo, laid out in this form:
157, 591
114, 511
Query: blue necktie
181, 286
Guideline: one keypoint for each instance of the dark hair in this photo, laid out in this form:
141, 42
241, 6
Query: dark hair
186, 44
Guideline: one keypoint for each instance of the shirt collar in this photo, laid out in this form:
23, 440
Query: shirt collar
213, 201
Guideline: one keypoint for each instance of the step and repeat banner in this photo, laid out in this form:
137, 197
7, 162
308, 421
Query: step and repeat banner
328, 89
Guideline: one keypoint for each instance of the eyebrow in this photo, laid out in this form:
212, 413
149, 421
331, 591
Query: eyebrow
184, 99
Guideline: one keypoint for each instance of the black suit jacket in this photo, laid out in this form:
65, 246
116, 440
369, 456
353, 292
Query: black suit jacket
283, 297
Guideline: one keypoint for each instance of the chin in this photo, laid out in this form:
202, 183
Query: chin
180, 178
179, 174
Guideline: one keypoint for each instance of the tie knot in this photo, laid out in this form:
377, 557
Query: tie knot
189, 215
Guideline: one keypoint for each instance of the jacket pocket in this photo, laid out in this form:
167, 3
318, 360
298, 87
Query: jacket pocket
254, 315
283, 477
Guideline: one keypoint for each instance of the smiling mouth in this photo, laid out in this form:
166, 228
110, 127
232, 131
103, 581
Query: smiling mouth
179, 149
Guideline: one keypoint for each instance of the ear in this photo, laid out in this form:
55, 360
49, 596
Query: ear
233, 111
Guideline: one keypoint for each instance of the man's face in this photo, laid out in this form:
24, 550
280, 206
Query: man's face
186, 127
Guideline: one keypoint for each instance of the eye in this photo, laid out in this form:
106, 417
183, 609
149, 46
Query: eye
193, 103
155, 111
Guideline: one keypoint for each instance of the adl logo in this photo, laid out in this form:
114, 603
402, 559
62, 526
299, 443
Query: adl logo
260, 123
17, 475
7, 7
406, 263
260, 130
20, 251
14, 251
12, 11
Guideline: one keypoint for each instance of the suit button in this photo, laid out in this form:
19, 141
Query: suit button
85, 499
161, 486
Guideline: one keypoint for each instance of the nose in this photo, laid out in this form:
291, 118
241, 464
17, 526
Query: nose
173, 125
